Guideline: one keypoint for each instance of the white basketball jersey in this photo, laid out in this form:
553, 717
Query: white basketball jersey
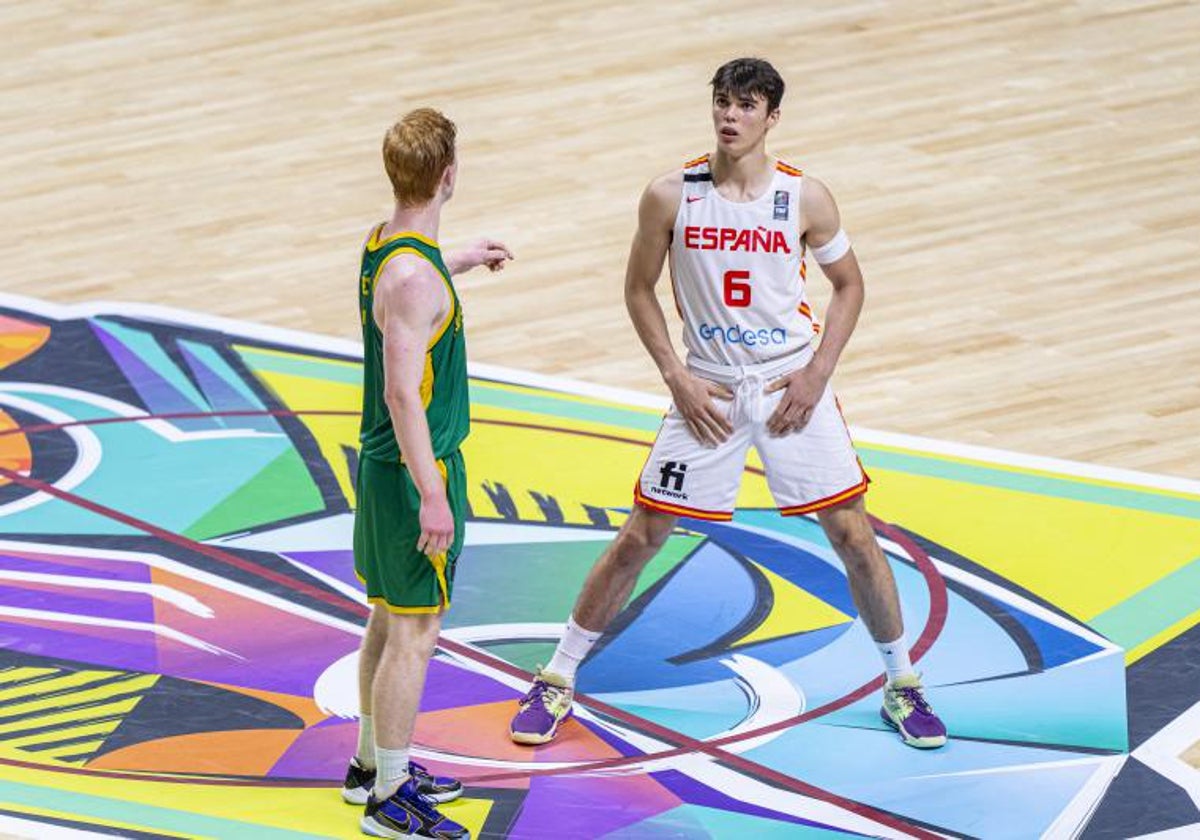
738, 272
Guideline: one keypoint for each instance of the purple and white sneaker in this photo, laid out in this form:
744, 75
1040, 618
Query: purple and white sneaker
546, 705
906, 710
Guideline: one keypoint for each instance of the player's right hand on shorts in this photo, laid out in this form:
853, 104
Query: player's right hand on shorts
693, 398
437, 525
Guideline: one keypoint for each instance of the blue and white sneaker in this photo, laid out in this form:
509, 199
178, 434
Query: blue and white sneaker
409, 813
359, 781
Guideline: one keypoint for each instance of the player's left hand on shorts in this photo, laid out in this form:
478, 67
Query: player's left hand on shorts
802, 390
437, 526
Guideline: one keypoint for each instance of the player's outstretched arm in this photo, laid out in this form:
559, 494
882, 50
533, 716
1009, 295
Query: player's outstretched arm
484, 251
692, 395
410, 303
827, 243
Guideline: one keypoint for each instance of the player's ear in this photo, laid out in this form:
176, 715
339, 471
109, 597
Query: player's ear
772, 118
449, 177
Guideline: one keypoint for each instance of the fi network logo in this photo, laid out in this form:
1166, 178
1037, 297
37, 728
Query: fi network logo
672, 473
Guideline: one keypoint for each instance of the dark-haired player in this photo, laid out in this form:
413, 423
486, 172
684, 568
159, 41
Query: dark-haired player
737, 224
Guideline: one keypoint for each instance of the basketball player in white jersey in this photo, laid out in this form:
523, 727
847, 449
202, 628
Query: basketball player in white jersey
737, 225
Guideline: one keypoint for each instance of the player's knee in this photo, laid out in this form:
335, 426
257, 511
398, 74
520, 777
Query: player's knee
851, 537
410, 634
654, 528
630, 548
373, 641
643, 535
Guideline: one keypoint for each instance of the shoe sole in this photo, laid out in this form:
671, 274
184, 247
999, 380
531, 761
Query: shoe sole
358, 796
930, 743
370, 827
532, 739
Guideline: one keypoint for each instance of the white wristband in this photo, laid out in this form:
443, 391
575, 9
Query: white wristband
833, 250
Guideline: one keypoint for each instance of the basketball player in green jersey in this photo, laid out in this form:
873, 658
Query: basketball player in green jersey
408, 529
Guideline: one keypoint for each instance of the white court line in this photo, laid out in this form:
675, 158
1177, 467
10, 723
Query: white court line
34, 830
190, 572
117, 624
182, 600
1163, 752
87, 452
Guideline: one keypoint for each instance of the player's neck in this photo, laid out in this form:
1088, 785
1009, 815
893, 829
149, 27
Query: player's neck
743, 174
423, 220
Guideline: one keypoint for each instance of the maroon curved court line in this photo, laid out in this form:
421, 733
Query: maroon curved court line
930, 632
204, 415
935, 622
175, 415
311, 412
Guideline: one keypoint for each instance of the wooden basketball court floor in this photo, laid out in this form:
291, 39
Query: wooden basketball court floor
1015, 178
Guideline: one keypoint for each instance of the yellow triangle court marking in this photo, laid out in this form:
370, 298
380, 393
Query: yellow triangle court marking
53, 685
795, 610
12, 675
86, 713
140, 684
75, 749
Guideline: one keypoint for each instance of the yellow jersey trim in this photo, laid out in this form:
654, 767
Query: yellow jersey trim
441, 331
374, 243
407, 610
426, 387
388, 259
449, 319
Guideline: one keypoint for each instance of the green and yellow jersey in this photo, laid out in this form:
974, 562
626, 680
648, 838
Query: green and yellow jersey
444, 383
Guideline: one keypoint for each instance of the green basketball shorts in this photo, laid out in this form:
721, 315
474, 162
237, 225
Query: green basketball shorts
386, 529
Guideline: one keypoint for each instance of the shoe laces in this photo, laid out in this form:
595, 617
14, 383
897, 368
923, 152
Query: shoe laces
913, 697
425, 805
544, 693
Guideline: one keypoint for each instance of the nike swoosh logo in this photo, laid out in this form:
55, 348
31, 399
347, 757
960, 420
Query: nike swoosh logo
692, 198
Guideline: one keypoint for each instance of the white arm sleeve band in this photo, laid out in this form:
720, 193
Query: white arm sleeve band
833, 250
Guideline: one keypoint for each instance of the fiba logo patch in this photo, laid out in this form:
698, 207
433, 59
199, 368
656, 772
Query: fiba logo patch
671, 476
781, 205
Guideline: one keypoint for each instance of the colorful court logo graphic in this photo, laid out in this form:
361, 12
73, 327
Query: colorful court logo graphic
180, 617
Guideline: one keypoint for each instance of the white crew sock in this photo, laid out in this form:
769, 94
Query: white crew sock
366, 742
392, 771
572, 648
895, 658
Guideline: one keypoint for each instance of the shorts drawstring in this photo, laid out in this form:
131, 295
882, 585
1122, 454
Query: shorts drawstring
748, 381
748, 399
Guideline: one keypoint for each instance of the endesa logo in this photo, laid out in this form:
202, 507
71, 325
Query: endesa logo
735, 334
759, 239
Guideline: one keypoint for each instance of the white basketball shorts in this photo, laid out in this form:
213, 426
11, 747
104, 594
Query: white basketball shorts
807, 470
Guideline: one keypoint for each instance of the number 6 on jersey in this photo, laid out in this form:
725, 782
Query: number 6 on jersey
737, 294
